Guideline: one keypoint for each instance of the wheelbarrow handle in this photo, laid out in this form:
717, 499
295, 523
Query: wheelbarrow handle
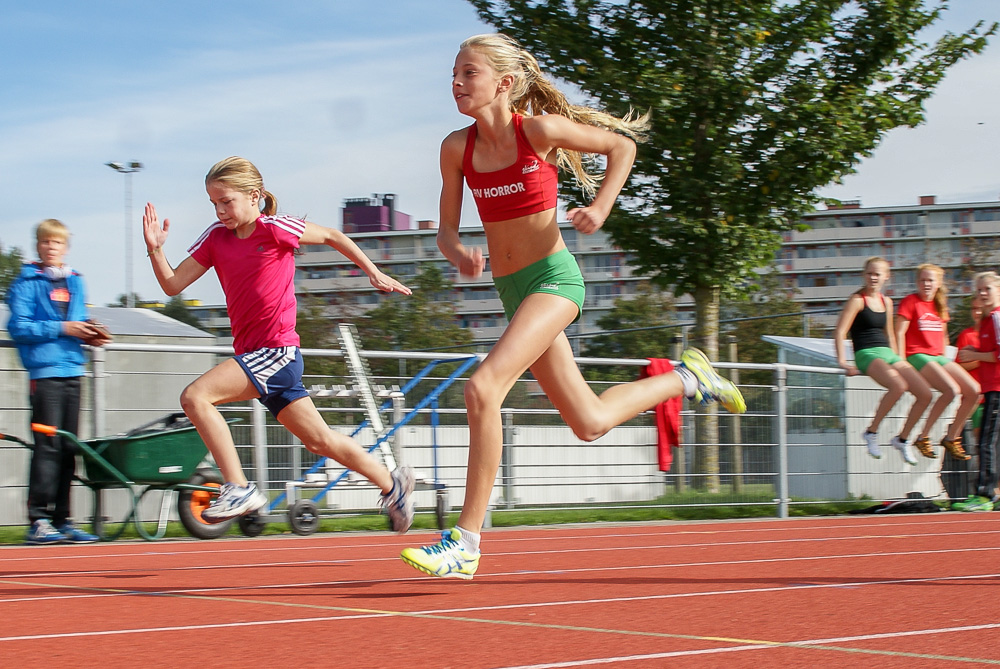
16, 440
48, 430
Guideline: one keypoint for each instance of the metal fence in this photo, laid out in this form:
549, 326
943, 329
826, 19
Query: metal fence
798, 444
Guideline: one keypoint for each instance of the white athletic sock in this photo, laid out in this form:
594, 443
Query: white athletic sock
688, 379
469, 540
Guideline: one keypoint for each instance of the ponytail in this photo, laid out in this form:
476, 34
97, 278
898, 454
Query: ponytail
270, 207
533, 94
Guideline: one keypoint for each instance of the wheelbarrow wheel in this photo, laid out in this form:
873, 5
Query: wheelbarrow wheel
251, 525
191, 503
99, 523
303, 516
441, 509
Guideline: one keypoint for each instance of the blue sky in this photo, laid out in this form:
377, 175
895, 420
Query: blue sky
331, 100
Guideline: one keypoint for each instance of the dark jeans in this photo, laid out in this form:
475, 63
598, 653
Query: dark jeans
989, 439
53, 462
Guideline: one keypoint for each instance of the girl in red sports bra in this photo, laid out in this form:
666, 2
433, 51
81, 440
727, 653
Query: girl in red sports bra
523, 128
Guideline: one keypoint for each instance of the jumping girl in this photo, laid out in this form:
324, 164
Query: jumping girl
252, 250
867, 317
922, 333
523, 128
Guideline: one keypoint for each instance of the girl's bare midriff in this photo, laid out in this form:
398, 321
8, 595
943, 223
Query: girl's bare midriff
516, 243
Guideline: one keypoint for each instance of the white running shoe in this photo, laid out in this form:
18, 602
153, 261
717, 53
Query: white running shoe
234, 501
398, 502
904, 448
871, 441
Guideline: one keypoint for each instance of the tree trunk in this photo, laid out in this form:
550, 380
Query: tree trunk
706, 337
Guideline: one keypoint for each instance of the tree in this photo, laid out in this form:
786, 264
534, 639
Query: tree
10, 267
635, 329
771, 310
316, 327
425, 320
178, 310
754, 106
122, 300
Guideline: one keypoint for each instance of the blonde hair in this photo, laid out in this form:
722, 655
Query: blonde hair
240, 174
532, 94
51, 227
871, 261
941, 294
989, 277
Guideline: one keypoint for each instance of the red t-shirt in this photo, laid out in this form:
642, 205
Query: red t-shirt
257, 275
989, 371
927, 332
969, 337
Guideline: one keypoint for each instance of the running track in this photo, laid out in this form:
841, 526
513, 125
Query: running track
849, 591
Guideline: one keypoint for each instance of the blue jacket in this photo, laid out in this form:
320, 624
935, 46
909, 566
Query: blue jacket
35, 324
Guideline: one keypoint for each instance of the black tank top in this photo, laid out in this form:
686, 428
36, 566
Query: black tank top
868, 328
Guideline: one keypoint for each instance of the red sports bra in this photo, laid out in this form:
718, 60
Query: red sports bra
526, 187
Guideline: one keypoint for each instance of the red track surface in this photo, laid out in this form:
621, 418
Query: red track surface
856, 591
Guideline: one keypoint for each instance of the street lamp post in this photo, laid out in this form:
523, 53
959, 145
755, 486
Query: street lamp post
128, 169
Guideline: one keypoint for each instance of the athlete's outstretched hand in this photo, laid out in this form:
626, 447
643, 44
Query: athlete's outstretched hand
387, 284
472, 263
153, 234
587, 220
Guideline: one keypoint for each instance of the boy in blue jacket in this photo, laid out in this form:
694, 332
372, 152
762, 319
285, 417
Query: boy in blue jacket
48, 323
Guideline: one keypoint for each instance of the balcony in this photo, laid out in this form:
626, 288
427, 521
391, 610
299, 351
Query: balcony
836, 234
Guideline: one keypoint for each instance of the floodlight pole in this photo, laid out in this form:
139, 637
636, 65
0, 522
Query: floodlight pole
128, 169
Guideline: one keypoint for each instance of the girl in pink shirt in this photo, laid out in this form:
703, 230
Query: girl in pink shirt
252, 251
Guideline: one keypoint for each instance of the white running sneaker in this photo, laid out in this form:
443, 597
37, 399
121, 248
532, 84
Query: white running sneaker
871, 441
398, 502
234, 501
904, 448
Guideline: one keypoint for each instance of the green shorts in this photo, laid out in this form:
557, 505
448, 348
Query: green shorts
977, 416
557, 274
918, 360
867, 356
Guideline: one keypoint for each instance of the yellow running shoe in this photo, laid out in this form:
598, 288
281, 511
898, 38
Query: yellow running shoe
445, 559
710, 384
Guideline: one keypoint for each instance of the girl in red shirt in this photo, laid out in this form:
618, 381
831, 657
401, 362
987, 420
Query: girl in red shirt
986, 354
922, 332
966, 338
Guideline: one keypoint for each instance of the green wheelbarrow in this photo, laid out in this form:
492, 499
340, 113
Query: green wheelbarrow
166, 455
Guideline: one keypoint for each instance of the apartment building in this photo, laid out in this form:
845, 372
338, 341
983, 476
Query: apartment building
400, 250
822, 263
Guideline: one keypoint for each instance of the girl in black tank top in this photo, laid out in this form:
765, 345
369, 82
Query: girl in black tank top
871, 332
868, 328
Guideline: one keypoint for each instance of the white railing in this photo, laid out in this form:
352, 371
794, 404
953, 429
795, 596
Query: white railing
800, 441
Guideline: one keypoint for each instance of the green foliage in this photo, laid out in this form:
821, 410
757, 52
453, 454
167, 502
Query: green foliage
421, 321
754, 106
10, 266
317, 328
635, 330
177, 309
122, 300
770, 310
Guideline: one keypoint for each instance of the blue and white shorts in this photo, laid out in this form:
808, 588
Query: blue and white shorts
277, 375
